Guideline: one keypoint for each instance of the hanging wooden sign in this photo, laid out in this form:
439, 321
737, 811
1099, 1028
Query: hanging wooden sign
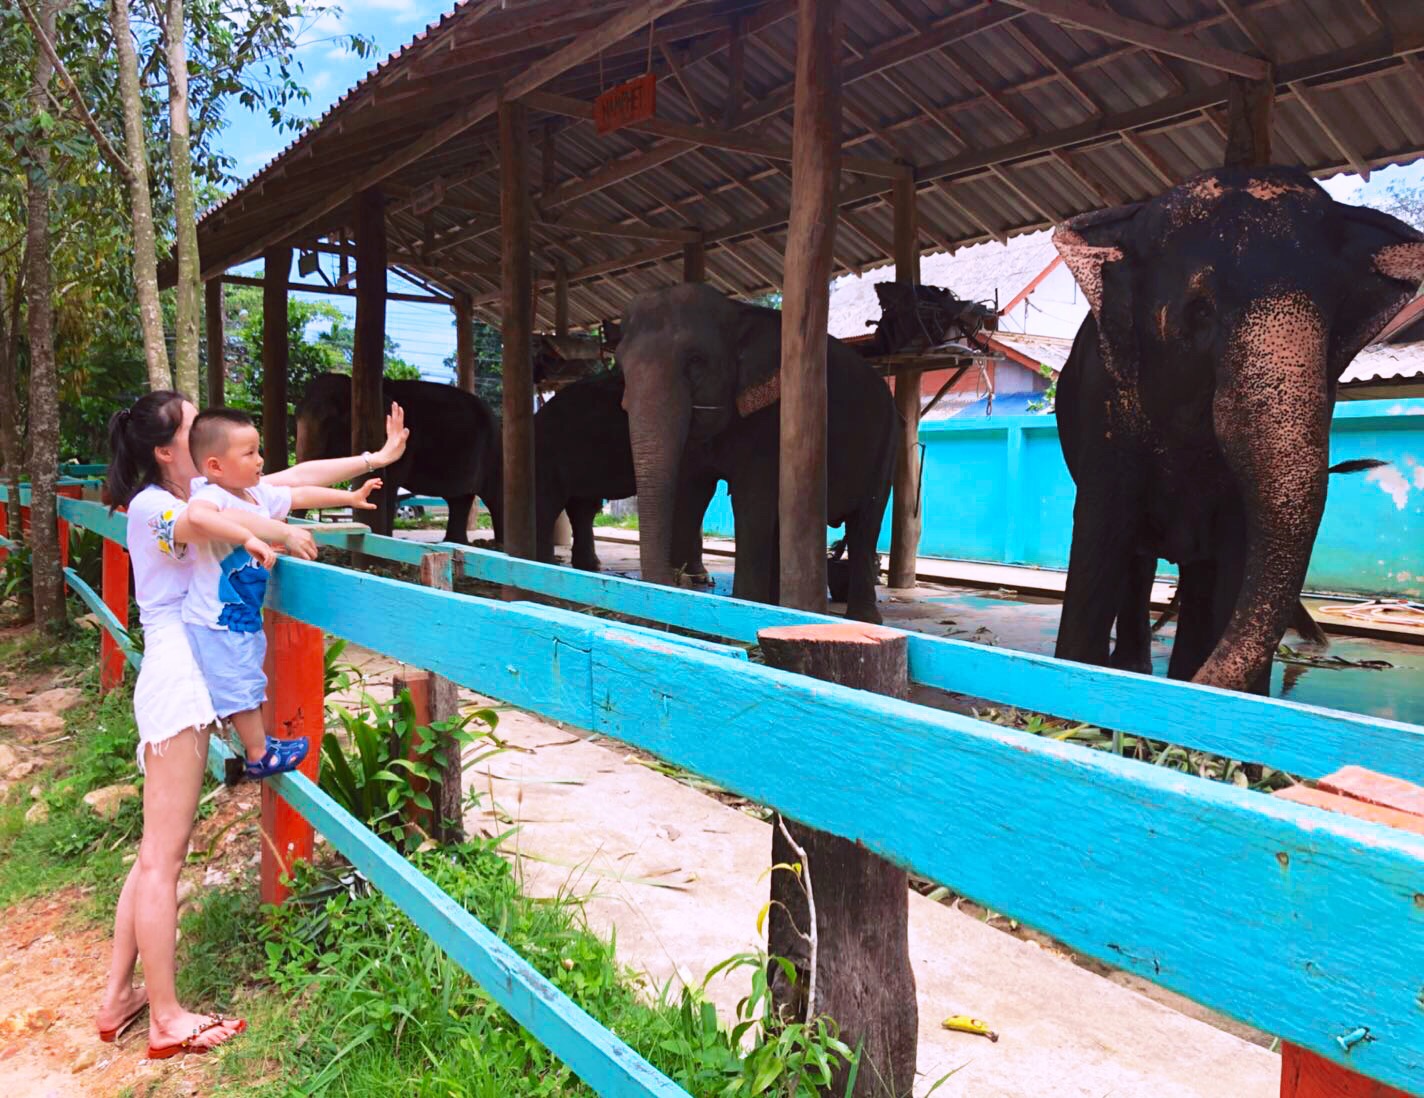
626, 103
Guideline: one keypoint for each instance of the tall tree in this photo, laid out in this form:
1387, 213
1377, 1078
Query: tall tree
47, 582
189, 293
145, 244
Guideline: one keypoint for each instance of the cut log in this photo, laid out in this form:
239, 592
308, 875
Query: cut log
861, 976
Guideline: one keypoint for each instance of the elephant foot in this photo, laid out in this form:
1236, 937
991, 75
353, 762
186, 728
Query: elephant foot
699, 579
587, 564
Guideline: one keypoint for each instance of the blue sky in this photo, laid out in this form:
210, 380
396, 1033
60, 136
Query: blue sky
425, 334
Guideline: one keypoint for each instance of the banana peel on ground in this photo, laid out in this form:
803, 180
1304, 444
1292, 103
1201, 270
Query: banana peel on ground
962, 1023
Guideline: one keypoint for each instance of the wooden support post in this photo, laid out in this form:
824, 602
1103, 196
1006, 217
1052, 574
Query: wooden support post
694, 262
115, 591
1248, 121
815, 169
517, 333
464, 342
368, 357
905, 515
561, 297
859, 965
69, 491
276, 268
295, 708
217, 341
440, 700
1354, 791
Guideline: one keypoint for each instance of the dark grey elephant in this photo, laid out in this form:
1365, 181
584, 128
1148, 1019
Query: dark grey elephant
1194, 410
583, 456
702, 396
454, 449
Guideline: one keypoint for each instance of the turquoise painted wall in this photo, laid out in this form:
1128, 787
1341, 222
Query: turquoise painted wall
996, 489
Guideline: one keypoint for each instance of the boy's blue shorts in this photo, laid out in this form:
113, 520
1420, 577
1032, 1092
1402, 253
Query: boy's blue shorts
232, 667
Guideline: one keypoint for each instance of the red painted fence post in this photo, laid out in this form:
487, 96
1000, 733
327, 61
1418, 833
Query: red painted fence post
1352, 791
296, 707
69, 491
116, 597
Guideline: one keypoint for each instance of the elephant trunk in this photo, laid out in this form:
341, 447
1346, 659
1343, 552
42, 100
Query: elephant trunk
1272, 418
657, 443
304, 440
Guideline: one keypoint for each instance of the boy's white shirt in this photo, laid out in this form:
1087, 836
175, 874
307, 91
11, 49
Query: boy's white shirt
227, 585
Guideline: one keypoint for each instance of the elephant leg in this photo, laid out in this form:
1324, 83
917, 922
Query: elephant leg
757, 576
1099, 560
1196, 630
458, 521
1132, 649
862, 530
694, 496
1230, 575
547, 506
581, 512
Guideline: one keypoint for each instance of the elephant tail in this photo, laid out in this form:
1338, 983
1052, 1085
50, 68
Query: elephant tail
1358, 465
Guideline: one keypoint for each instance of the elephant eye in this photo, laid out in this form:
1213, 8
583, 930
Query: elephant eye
1199, 312
695, 361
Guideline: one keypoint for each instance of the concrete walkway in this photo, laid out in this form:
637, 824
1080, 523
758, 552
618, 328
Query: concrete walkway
678, 878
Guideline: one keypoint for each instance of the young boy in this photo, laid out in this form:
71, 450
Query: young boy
223, 607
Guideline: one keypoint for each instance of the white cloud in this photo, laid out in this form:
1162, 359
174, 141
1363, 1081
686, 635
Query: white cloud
399, 6
339, 53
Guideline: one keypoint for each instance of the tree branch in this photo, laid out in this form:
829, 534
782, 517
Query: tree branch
108, 151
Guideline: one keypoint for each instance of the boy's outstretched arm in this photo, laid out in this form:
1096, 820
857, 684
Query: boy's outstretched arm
334, 470
317, 498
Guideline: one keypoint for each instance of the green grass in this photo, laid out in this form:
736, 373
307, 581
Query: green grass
624, 522
73, 846
356, 1000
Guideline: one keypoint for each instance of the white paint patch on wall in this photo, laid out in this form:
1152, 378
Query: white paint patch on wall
1392, 483
1413, 408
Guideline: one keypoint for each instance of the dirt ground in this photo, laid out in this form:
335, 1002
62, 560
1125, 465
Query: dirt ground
54, 957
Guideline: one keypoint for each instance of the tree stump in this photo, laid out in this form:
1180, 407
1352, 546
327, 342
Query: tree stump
862, 976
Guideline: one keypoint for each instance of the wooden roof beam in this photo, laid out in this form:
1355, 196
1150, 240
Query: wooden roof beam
1305, 96
538, 74
1173, 43
738, 141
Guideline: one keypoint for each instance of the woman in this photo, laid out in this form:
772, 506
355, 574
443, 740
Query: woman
150, 473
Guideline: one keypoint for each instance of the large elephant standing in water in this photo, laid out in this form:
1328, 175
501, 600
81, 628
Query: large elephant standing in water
1194, 410
702, 394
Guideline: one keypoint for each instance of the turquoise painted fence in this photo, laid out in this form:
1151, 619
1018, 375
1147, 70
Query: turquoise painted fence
1292, 919
996, 489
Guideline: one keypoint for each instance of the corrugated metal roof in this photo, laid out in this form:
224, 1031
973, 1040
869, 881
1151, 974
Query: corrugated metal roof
1011, 121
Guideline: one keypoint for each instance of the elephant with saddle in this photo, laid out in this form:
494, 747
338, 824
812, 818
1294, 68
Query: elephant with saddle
583, 456
702, 395
454, 450
1194, 409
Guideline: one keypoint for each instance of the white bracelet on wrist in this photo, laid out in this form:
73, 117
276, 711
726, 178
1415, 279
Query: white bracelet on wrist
366, 457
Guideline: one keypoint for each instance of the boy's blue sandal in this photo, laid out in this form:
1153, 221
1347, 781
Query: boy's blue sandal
281, 757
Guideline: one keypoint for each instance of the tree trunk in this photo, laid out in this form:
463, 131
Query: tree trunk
856, 967
189, 290
217, 342
48, 582
145, 272
10, 451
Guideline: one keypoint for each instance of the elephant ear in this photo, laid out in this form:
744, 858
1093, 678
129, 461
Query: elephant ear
757, 334
1091, 241
1382, 261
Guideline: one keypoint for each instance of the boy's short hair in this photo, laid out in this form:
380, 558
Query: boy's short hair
211, 429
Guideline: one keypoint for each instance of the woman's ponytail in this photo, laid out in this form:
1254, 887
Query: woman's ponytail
133, 434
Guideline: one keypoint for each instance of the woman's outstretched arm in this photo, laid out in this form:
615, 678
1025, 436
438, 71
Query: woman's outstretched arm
327, 471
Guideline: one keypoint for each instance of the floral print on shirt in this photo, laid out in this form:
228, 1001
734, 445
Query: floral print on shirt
162, 527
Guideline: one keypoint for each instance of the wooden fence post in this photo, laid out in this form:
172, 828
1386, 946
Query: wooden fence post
69, 491
115, 590
296, 707
858, 964
1394, 802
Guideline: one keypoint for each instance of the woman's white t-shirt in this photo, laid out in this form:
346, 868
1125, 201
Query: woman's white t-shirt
162, 568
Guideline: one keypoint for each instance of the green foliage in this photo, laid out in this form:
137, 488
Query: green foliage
337, 674
1404, 202
86, 555
374, 776
15, 576
370, 1005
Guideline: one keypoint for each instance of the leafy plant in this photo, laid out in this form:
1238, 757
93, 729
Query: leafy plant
86, 555
338, 675
15, 575
391, 759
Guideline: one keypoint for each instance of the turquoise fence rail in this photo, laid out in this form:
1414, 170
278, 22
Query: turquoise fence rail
1292, 919
996, 489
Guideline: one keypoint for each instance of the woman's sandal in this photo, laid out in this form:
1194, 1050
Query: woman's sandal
282, 756
165, 1052
109, 1036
